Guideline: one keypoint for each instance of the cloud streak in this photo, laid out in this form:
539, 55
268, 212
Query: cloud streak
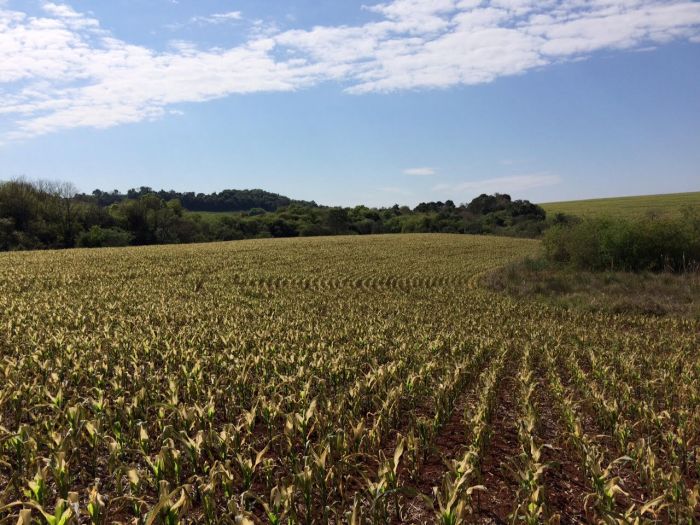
420, 172
205, 20
218, 18
62, 70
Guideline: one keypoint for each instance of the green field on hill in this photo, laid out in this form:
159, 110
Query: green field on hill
668, 205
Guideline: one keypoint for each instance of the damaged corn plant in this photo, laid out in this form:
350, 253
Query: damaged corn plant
338, 380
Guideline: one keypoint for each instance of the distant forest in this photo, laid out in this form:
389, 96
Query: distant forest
39, 215
227, 200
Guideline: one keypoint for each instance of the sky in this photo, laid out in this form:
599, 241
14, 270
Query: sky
351, 102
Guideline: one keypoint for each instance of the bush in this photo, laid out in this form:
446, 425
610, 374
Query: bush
97, 237
616, 244
314, 230
7, 227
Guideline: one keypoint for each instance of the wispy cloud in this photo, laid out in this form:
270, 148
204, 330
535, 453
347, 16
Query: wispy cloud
204, 20
218, 18
61, 70
513, 184
420, 172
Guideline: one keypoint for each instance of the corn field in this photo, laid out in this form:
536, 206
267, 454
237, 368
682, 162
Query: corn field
340, 380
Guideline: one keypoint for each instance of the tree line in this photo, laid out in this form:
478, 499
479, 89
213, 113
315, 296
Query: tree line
224, 201
39, 215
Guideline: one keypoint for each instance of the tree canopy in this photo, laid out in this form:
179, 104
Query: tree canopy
35, 215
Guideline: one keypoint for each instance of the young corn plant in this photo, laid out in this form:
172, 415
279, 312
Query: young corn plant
454, 500
279, 505
530, 471
96, 507
169, 511
37, 487
61, 474
386, 486
248, 464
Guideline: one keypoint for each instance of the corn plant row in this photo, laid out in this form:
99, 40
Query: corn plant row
674, 428
384, 491
529, 467
666, 484
602, 502
454, 498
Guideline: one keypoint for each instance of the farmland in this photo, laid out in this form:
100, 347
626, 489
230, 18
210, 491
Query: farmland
333, 380
668, 205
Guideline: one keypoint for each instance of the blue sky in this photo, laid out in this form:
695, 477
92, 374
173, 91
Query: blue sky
354, 102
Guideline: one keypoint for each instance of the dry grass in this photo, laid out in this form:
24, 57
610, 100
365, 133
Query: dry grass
615, 292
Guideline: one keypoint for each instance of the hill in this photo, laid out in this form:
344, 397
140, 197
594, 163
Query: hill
668, 205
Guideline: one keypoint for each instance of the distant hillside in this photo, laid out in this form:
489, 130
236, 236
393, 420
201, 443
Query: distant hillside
223, 201
668, 205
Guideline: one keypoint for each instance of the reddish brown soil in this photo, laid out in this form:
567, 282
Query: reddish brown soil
448, 444
630, 481
494, 505
565, 482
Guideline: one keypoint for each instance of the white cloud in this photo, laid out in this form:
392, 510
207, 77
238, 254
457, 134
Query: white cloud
420, 172
500, 184
69, 16
218, 18
60, 10
62, 70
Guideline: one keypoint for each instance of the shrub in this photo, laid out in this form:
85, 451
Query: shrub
97, 237
616, 244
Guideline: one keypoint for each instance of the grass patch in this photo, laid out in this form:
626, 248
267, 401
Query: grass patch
645, 293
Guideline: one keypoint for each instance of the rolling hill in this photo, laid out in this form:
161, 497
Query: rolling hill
667, 205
